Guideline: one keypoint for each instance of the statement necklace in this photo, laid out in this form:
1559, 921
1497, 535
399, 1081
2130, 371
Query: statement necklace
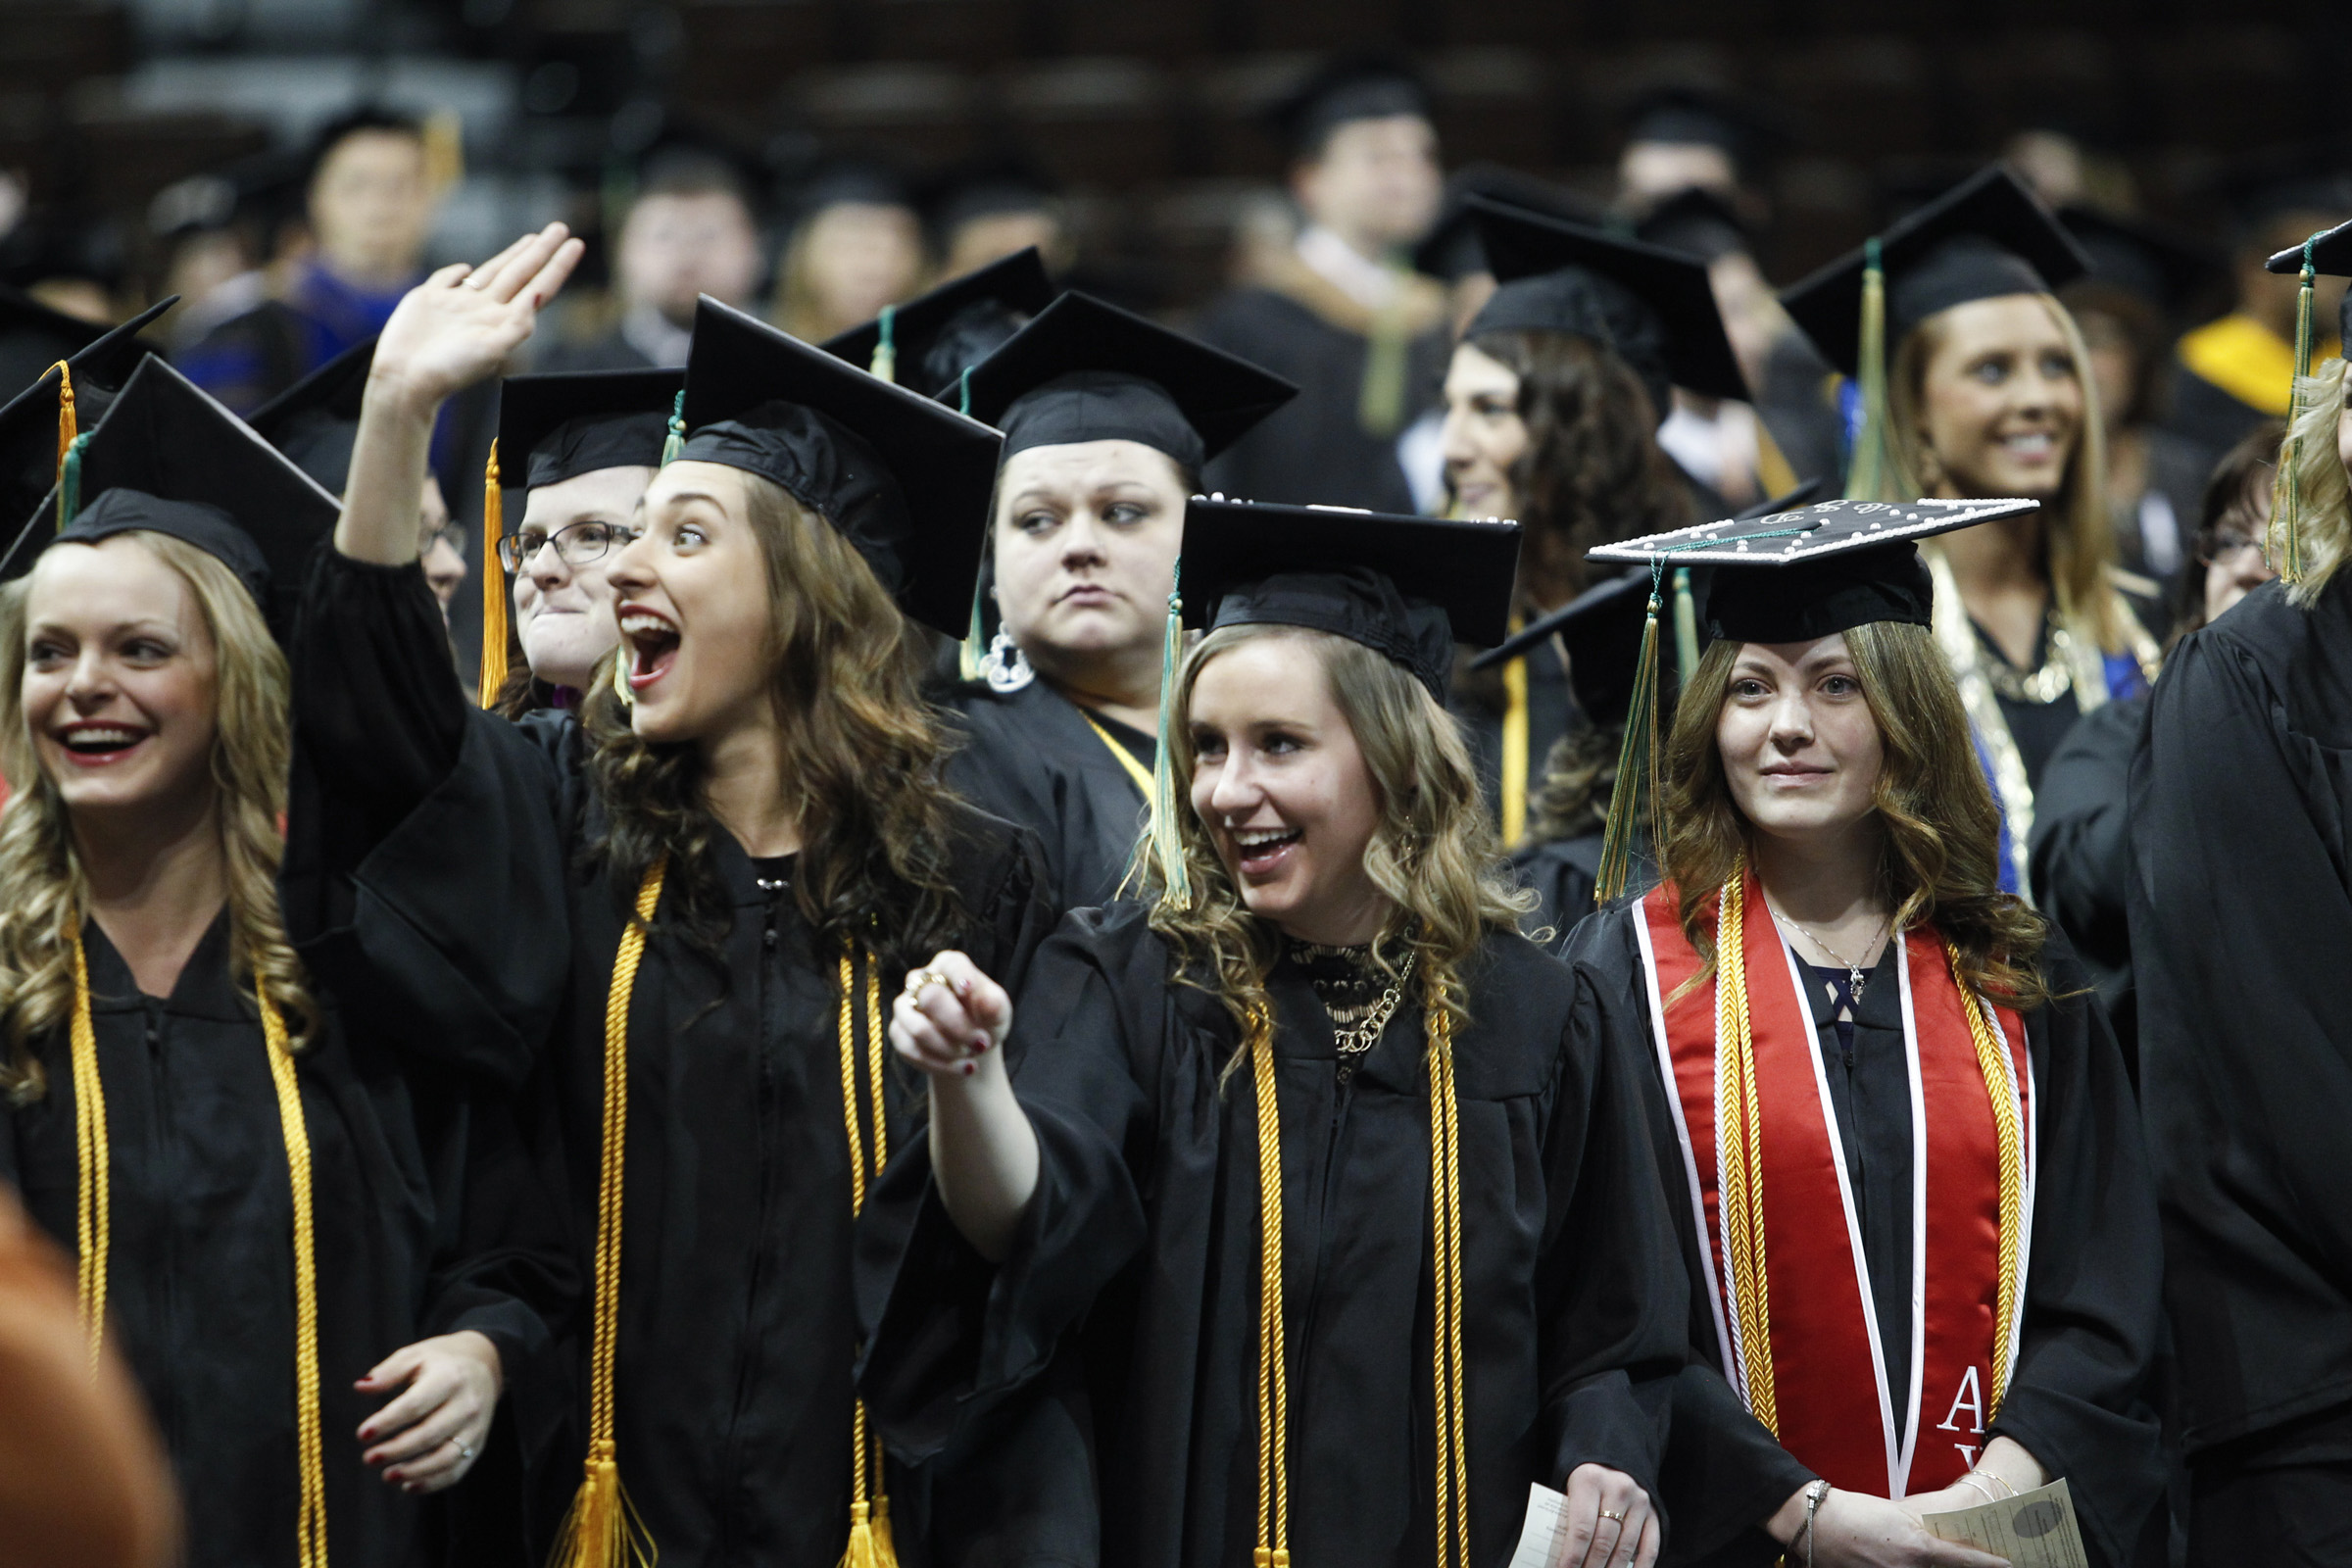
2043, 686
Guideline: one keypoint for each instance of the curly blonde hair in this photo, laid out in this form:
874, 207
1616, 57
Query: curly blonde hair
1434, 853
2325, 503
48, 897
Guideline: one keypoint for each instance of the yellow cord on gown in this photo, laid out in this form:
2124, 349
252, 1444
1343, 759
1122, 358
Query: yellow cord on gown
1136, 772
91, 1236
1513, 801
869, 1544
1741, 1146
601, 1529
1446, 1268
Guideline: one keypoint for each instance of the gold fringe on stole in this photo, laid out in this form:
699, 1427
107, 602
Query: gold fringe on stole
494, 585
602, 1530
91, 1207
309, 1530
869, 1544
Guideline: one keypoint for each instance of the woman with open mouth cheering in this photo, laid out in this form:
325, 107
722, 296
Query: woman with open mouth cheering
688, 900
1361, 1244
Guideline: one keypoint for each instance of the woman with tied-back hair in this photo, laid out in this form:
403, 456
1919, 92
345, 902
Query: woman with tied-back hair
1355, 1246
682, 903
1901, 1148
272, 1195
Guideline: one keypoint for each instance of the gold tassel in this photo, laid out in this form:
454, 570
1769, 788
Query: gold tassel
885, 1549
1867, 476
1514, 749
2283, 540
494, 585
1636, 757
68, 425
602, 1530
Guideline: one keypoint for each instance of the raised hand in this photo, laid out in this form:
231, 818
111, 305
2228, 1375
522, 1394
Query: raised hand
459, 324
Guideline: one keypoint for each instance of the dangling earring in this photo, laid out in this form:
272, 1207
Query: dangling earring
1007, 667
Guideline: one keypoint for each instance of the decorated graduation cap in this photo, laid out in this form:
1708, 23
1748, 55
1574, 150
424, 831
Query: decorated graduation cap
316, 421
1653, 307
1451, 252
167, 458
39, 423
1986, 238
931, 340
1353, 86
1782, 577
2326, 254
552, 427
904, 480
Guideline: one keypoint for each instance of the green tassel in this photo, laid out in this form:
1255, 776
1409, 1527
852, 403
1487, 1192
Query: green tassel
1867, 476
675, 442
2286, 492
1167, 842
1637, 763
69, 481
885, 363
1686, 626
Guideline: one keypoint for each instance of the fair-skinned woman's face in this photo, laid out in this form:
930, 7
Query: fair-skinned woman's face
689, 596
2000, 403
121, 682
562, 613
1086, 545
1800, 747
1483, 435
1283, 790
2234, 560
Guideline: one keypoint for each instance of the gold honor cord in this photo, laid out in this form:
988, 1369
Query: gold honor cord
91, 1227
1446, 1269
1136, 772
493, 669
601, 1529
869, 1544
1514, 749
1742, 1194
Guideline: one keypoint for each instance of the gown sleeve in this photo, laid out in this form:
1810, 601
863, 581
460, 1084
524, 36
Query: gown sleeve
423, 879
2082, 847
952, 1335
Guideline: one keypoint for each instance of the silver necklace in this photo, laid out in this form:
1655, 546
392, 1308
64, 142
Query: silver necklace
1855, 976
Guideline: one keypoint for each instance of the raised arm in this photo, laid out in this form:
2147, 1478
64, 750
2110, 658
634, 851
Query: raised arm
450, 331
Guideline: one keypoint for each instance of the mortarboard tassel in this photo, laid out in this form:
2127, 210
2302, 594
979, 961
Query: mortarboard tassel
68, 426
1686, 626
2286, 490
69, 481
964, 392
1637, 761
675, 441
972, 653
1866, 475
885, 363
1167, 842
494, 585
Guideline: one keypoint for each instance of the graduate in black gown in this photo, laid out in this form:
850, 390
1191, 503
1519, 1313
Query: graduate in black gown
1904, 1152
2240, 920
271, 1194
1356, 1244
1107, 419
1553, 401
752, 776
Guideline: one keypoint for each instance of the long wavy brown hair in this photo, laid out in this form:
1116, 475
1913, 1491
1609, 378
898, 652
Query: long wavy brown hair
1593, 473
863, 754
1433, 853
48, 897
1940, 859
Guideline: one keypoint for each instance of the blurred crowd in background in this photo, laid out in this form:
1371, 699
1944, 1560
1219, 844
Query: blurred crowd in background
288, 168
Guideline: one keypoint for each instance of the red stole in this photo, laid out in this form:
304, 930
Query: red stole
1828, 1375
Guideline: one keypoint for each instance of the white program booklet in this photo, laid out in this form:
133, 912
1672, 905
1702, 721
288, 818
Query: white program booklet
1546, 1523
2032, 1530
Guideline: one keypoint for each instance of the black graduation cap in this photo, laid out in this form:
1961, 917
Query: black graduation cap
28, 423
1085, 371
1347, 87
935, 337
1688, 114
315, 421
168, 459
560, 424
1654, 307
2331, 257
2169, 269
33, 337
1696, 222
1986, 237
1407, 587
1451, 252
1793, 576
903, 479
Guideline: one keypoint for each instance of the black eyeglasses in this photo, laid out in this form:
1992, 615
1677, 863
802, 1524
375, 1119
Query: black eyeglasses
576, 543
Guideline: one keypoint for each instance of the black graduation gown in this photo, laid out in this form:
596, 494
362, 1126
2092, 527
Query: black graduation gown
200, 1291
1314, 448
1145, 1230
1563, 872
1029, 756
2241, 923
737, 1325
1551, 713
2081, 853
2076, 1402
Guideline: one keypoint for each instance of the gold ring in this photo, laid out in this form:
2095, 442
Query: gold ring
1617, 1515
919, 978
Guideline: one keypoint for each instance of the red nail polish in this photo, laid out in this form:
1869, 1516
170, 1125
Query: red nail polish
970, 1068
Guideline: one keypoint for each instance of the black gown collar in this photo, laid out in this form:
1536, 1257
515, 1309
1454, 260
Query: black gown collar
203, 989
